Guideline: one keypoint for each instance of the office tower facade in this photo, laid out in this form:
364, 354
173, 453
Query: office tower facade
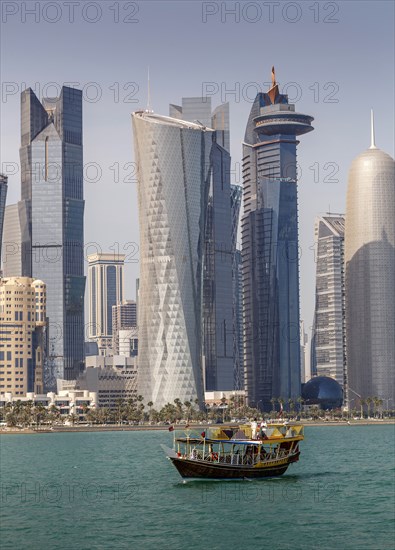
23, 345
173, 159
305, 365
3, 196
12, 242
236, 198
105, 277
51, 214
218, 320
329, 316
370, 275
124, 318
270, 249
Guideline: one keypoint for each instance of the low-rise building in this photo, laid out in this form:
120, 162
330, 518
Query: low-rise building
67, 402
110, 377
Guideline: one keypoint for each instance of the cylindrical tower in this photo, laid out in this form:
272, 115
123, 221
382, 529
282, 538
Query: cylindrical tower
370, 275
173, 177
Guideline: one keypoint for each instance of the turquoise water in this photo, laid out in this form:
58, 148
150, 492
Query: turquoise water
111, 490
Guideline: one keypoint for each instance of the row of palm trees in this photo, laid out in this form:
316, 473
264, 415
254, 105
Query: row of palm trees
369, 401
133, 410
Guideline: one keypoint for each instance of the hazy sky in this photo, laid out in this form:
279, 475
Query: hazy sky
334, 59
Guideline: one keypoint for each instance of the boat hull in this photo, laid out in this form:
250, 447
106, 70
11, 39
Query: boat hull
204, 470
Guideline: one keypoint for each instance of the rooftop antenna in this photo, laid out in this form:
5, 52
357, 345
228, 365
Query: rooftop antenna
372, 139
148, 109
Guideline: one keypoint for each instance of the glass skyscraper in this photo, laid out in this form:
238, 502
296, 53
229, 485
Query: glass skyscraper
173, 159
270, 249
51, 214
329, 318
236, 192
218, 321
370, 276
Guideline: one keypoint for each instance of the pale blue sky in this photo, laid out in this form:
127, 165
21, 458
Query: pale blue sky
350, 61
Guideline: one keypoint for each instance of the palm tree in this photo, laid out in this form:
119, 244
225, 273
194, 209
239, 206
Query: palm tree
188, 406
73, 418
40, 412
380, 404
54, 413
369, 401
150, 405
120, 404
300, 401
363, 403
92, 416
376, 403
273, 401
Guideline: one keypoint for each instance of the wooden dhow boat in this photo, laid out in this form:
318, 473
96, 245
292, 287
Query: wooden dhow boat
231, 453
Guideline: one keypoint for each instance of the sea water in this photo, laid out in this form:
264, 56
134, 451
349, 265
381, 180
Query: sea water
110, 490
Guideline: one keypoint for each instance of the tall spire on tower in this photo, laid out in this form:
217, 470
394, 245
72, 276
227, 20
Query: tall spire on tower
273, 92
148, 109
372, 139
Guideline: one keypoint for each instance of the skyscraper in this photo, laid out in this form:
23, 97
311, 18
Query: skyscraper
270, 249
218, 323
173, 159
51, 214
370, 275
329, 317
105, 277
236, 192
3, 196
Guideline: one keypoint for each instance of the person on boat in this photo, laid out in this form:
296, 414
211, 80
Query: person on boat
254, 426
262, 429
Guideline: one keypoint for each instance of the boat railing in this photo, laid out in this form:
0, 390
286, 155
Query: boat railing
239, 459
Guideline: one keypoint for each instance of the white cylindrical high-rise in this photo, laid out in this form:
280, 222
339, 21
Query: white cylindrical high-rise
370, 275
173, 177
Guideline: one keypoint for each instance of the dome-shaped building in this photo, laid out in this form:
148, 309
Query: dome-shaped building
323, 391
370, 274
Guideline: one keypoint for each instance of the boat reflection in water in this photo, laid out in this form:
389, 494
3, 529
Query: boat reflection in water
231, 453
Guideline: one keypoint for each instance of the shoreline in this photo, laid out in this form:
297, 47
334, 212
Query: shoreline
83, 429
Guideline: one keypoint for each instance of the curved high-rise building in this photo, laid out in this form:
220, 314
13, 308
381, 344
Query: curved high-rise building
173, 159
370, 275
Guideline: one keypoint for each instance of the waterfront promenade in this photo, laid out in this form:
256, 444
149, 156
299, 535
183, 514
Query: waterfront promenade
202, 426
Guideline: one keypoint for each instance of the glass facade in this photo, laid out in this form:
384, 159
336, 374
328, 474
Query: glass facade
329, 318
218, 319
173, 160
51, 215
270, 250
370, 276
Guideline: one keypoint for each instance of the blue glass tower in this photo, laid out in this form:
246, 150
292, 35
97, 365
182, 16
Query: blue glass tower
236, 192
51, 213
270, 249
